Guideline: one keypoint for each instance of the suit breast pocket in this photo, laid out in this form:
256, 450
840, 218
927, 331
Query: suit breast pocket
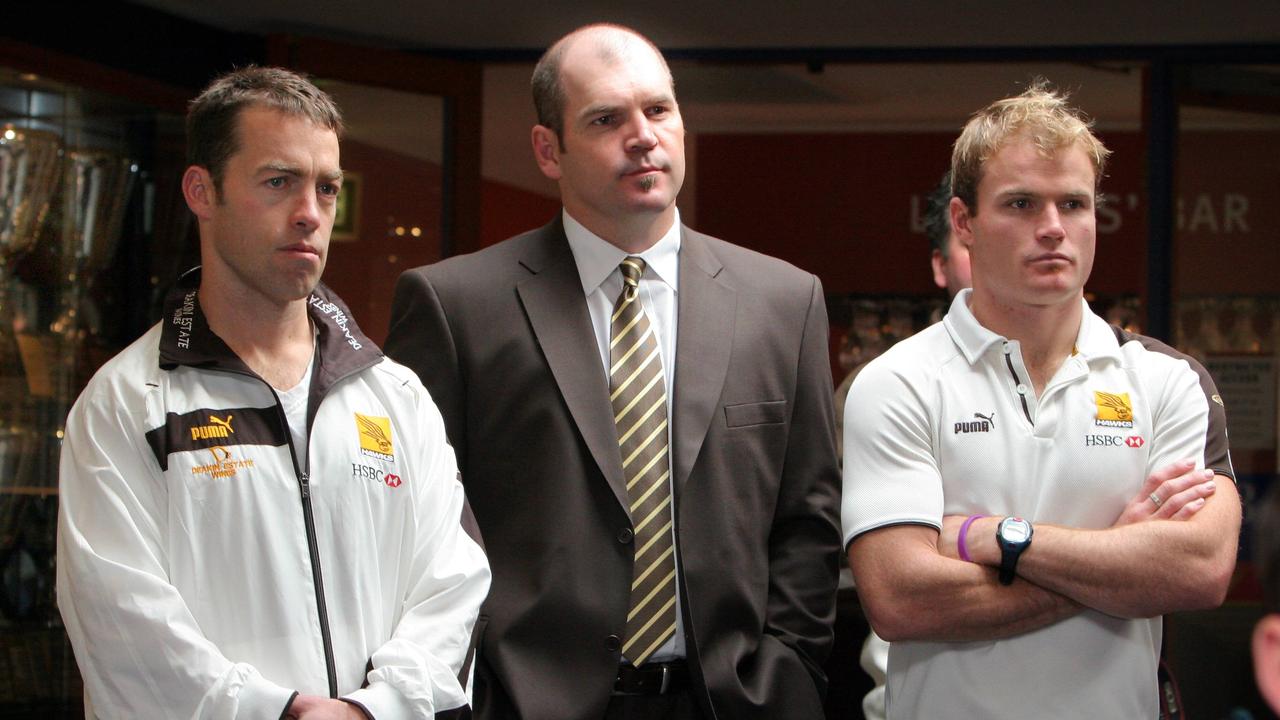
769, 412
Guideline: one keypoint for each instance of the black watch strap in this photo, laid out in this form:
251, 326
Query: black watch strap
1014, 536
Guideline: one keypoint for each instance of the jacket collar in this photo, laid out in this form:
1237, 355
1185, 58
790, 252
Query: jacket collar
187, 340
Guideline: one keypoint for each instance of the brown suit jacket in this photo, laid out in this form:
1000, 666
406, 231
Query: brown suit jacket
502, 339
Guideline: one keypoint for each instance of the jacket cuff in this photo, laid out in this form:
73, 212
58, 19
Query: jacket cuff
261, 698
381, 701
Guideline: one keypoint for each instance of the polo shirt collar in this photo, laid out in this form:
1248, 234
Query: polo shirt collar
597, 258
1095, 339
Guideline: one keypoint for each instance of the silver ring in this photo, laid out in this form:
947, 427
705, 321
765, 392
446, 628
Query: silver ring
1156, 499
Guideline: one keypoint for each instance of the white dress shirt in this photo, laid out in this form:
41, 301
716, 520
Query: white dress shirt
598, 262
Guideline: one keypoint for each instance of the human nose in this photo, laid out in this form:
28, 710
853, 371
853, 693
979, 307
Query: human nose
1051, 224
306, 212
642, 138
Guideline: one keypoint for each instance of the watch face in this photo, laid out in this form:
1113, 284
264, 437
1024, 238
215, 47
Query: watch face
1015, 530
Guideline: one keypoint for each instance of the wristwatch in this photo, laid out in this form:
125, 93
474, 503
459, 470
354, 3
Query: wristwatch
1014, 536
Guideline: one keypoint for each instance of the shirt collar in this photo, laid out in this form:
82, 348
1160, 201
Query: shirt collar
597, 258
1094, 339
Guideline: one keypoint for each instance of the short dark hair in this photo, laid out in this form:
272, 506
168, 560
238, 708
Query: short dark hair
212, 117
1266, 548
548, 90
937, 216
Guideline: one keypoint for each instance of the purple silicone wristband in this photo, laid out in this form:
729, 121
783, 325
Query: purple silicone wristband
964, 530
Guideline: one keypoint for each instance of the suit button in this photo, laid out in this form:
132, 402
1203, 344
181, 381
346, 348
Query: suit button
613, 643
625, 535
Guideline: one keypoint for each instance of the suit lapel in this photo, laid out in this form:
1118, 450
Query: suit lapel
553, 301
704, 340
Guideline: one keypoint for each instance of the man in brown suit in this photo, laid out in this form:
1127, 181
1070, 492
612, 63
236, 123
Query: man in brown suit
642, 417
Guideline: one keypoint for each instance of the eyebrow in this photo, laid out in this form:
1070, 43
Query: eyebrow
272, 167
608, 109
280, 168
1031, 193
601, 109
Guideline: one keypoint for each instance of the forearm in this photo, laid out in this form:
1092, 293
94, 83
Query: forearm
911, 592
1136, 570
418, 670
140, 650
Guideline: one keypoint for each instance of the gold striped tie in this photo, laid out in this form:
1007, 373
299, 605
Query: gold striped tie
639, 398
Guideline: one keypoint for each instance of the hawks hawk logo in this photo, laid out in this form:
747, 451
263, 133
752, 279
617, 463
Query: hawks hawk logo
1114, 409
375, 437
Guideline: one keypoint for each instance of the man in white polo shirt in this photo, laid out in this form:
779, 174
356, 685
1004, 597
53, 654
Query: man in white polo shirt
1028, 489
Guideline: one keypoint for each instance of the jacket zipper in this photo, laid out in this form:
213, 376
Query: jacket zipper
1008, 359
313, 550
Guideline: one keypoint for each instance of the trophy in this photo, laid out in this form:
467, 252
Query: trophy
96, 191
29, 167
30, 163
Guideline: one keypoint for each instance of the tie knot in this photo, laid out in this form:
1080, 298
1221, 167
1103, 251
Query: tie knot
632, 268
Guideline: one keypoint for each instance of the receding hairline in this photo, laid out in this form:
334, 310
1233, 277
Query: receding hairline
609, 40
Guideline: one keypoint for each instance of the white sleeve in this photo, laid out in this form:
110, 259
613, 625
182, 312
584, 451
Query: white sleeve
139, 649
891, 474
1180, 417
416, 673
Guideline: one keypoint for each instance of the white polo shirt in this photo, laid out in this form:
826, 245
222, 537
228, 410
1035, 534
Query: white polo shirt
946, 423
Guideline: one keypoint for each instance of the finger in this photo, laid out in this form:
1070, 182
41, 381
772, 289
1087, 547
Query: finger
1166, 473
1180, 484
1178, 501
1188, 510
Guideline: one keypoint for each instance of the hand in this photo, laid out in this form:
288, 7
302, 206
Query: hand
1182, 490
315, 707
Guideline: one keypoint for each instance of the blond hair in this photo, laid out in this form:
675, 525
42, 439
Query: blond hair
1040, 113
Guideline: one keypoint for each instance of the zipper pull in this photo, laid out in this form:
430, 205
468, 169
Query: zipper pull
306, 485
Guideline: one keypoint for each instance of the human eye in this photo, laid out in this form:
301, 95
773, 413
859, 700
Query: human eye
1075, 204
1019, 203
604, 120
657, 111
330, 189
277, 182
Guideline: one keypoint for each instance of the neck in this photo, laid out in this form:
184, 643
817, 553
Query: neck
1046, 333
275, 341
633, 234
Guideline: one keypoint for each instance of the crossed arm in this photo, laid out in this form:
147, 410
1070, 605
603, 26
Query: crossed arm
1153, 560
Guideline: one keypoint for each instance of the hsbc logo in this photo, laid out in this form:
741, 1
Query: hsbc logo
373, 474
1098, 440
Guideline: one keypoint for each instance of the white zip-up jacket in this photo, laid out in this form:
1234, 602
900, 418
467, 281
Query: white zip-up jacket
203, 574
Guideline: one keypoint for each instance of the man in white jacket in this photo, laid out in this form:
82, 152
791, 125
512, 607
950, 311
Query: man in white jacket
260, 516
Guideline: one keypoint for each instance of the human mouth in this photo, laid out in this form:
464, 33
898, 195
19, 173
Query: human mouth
301, 249
1050, 258
644, 171
646, 175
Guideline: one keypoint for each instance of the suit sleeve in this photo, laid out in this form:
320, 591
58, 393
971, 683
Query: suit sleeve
423, 668
140, 650
421, 339
804, 542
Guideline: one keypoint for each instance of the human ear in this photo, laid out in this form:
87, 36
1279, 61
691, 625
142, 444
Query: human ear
546, 151
198, 190
1266, 659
